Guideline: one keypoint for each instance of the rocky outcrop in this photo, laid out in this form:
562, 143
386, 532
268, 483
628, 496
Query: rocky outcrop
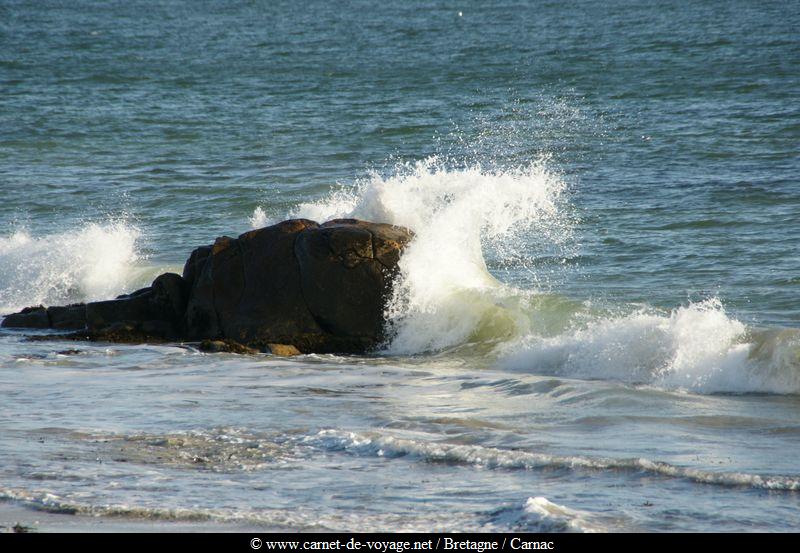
67, 317
296, 286
156, 311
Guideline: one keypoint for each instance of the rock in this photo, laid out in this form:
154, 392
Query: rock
195, 263
225, 346
248, 289
346, 267
155, 312
70, 317
283, 350
293, 287
317, 288
30, 317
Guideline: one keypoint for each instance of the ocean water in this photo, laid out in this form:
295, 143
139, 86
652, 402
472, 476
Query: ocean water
596, 328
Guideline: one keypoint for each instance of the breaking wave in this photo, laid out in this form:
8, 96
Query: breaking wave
473, 280
698, 348
297, 519
494, 458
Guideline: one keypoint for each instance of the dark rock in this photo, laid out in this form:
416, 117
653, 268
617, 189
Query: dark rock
318, 288
138, 292
292, 287
249, 288
30, 317
70, 317
345, 270
156, 311
195, 263
171, 293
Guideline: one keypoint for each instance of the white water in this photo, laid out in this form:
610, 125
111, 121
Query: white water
96, 261
446, 296
698, 348
552, 517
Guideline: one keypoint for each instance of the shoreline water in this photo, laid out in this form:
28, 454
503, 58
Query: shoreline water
38, 521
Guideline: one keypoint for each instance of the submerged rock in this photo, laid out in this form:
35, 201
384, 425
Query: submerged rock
296, 286
225, 346
283, 350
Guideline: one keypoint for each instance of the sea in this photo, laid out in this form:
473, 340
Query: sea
595, 329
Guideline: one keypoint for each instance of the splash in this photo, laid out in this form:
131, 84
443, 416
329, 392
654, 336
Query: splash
97, 261
445, 295
259, 218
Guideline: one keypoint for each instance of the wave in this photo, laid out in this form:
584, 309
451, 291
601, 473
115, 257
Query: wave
476, 227
494, 458
539, 514
295, 519
698, 348
552, 517
96, 261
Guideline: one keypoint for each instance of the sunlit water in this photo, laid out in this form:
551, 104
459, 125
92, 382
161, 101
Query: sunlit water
595, 328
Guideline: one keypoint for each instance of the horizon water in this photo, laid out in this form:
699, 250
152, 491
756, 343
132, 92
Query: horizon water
595, 328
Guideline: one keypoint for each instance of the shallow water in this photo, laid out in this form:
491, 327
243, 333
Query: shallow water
595, 329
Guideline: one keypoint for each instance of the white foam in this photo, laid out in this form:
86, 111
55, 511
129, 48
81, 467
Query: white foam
445, 295
295, 519
494, 458
697, 348
539, 514
552, 517
96, 261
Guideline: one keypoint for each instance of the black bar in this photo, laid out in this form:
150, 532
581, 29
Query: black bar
392, 543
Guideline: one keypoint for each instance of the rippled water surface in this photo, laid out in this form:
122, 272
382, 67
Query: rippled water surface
596, 328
